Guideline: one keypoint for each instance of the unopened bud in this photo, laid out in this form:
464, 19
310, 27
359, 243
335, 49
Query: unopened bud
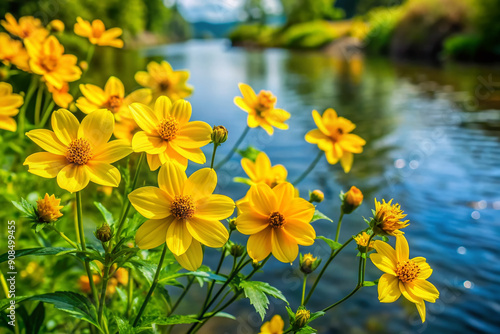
236, 250
83, 65
104, 233
301, 317
351, 200
232, 224
308, 263
56, 26
219, 135
316, 196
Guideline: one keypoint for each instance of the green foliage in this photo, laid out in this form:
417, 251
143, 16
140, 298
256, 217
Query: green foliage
257, 293
253, 33
318, 215
300, 11
334, 245
42, 251
382, 22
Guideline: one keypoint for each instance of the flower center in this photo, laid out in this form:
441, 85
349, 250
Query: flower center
265, 100
164, 85
276, 220
114, 103
407, 271
79, 151
49, 63
168, 128
182, 207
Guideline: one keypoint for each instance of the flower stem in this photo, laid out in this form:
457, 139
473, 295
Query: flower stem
90, 55
46, 114
235, 147
130, 292
22, 113
84, 247
38, 103
68, 240
104, 287
190, 282
212, 283
213, 156
309, 169
153, 286
332, 256
303, 290
338, 225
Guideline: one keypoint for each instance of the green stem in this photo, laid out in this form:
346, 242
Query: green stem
338, 225
21, 121
46, 114
130, 292
38, 103
68, 240
212, 283
90, 55
235, 147
104, 287
309, 169
84, 246
303, 290
332, 256
188, 286
213, 156
153, 286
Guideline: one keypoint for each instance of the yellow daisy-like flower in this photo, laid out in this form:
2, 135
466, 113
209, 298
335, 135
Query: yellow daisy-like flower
362, 240
27, 27
9, 107
61, 96
13, 52
182, 212
262, 171
112, 97
78, 153
163, 80
48, 60
167, 134
334, 138
389, 217
277, 221
402, 275
97, 34
48, 208
274, 326
261, 110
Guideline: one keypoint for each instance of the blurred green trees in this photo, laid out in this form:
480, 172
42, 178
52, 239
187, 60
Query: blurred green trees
300, 11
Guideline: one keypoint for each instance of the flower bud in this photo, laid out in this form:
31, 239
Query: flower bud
104, 233
219, 135
232, 224
83, 65
236, 250
362, 241
351, 200
56, 26
48, 209
308, 263
316, 196
301, 317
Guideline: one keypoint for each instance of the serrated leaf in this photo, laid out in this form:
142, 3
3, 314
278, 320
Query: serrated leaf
41, 251
306, 330
171, 320
124, 327
36, 319
25, 207
257, 293
291, 314
318, 215
108, 216
334, 245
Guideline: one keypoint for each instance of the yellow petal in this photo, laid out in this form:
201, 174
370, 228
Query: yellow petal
181, 110
153, 233
425, 269
194, 134
423, 289
285, 248
263, 199
402, 249
251, 223
192, 258
331, 157
194, 154
103, 173
153, 161
45, 164
383, 263
259, 245
73, 178
285, 193
8, 123
385, 250
178, 237
319, 123
421, 310
171, 179
346, 161
112, 151
144, 117
249, 168
408, 295
388, 288
299, 209
162, 107
94, 95
151, 144
248, 94
315, 136
47, 140
201, 184
211, 233
114, 87
262, 165
303, 233
240, 102
253, 120
151, 202
215, 207
65, 126
97, 127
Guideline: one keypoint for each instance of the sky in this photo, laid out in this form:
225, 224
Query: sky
216, 11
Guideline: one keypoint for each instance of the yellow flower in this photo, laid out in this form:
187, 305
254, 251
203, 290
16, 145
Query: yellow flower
48, 209
126, 129
389, 217
402, 275
261, 110
334, 138
13, 52
97, 34
163, 80
167, 133
275, 326
112, 97
362, 240
302, 316
48, 60
27, 27
276, 221
262, 171
78, 153
9, 106
351, 200
56, 25
61, 96
182, 212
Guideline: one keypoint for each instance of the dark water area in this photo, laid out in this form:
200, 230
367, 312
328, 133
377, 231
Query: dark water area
432, 145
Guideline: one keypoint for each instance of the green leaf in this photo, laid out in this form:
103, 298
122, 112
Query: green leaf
108, 216
316, 315
291, 314
201, 274
41, 251
370, 283
36, 319
250, 152
243, 180
306, 330
318, 215
25, 207
334, 245
171, 320
225, 315
124, 327
257, 293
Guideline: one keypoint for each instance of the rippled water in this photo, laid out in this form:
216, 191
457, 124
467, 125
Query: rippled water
433, 146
